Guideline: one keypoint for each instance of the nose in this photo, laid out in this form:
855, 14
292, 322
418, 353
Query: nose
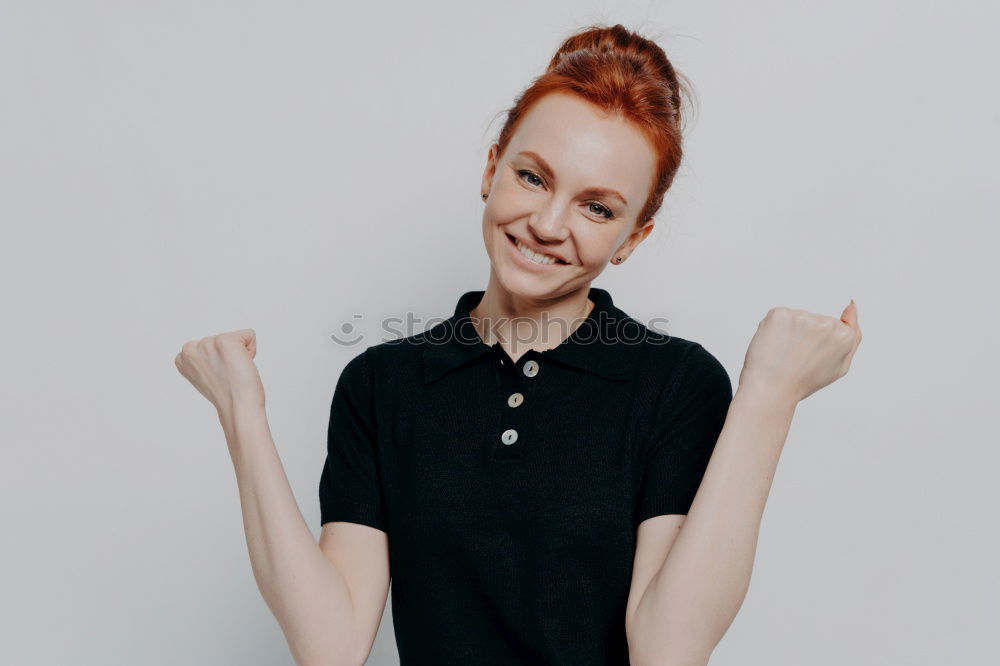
549, 223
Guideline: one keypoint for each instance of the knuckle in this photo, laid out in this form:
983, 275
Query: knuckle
778, 312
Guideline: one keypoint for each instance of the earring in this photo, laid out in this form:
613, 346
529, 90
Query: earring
485, 195
618, 260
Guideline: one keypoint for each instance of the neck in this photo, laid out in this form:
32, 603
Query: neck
521, 322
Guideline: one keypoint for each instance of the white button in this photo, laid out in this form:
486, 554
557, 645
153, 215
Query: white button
531, 368
509, 436
515, 399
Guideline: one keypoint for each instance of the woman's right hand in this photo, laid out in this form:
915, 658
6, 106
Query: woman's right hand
221, 367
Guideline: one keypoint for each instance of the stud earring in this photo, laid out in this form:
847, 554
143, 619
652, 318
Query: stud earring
484, 196
618, 260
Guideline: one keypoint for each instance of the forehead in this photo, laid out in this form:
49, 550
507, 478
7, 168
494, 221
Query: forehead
584, 143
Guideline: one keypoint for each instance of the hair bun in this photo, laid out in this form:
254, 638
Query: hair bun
624, 48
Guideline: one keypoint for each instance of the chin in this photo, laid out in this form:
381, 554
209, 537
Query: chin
516, 281
524, 285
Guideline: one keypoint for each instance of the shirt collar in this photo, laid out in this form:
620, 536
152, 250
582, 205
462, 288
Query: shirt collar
602, 344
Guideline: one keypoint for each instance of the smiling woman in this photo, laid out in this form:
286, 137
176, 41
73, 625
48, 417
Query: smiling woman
561, 187
521, 471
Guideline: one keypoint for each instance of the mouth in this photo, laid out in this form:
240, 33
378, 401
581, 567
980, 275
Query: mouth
516, 245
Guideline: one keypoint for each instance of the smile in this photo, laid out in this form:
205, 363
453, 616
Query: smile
535, 257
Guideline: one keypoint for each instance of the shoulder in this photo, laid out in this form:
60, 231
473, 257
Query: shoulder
393, 362
673, 363
408, 349
659, 351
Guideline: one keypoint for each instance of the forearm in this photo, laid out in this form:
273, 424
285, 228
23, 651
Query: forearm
693, 598
303, 589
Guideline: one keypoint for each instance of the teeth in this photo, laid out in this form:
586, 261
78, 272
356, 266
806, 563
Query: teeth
535, 256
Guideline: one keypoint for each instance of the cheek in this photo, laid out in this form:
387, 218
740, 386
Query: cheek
509, 201
595, 244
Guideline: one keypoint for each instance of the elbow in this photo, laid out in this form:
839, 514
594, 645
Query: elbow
342, 660
666, 648
329, 658
670, 653
668, 660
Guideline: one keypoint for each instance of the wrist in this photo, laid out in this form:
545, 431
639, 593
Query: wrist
766, 396
237, 417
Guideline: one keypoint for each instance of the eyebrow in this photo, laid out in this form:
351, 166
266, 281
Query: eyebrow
594, 191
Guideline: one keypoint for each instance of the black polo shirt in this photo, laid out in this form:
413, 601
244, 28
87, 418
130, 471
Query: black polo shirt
511, 492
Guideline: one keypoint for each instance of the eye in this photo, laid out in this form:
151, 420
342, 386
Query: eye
605, 211
602, 210
529, 173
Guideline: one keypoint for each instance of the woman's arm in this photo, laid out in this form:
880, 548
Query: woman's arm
694, 596
306, 592
690, 602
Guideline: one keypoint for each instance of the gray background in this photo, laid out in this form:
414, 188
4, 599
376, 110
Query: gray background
171, 170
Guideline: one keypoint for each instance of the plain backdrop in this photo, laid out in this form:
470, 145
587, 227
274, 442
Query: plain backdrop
171, 170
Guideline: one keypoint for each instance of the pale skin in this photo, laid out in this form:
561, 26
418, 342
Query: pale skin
691, 573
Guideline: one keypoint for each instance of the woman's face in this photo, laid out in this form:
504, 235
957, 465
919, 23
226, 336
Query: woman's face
570, 184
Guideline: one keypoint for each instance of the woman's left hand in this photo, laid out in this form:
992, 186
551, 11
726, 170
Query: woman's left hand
796, 353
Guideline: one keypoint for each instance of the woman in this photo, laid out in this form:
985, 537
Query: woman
577, 490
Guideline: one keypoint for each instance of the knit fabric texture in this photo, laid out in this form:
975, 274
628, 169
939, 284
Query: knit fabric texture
511, 521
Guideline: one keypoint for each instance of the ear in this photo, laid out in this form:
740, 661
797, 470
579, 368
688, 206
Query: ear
642, 231
491, 168
636, 237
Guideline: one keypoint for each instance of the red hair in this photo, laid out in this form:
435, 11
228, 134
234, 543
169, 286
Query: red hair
623, 73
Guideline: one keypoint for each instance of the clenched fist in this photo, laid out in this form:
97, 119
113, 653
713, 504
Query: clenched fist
221, 367
795, 353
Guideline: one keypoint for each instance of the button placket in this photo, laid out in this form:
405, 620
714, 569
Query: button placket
511, 438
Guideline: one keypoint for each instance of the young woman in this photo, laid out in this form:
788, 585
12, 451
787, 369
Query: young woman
546, 480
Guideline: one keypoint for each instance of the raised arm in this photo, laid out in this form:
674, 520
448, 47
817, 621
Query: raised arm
327, 598
688, 604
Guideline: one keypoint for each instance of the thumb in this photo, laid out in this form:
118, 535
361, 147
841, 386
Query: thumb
850, 314
850, 317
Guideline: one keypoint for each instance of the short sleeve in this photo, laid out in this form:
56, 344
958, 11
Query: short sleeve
349, 486
685, 428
